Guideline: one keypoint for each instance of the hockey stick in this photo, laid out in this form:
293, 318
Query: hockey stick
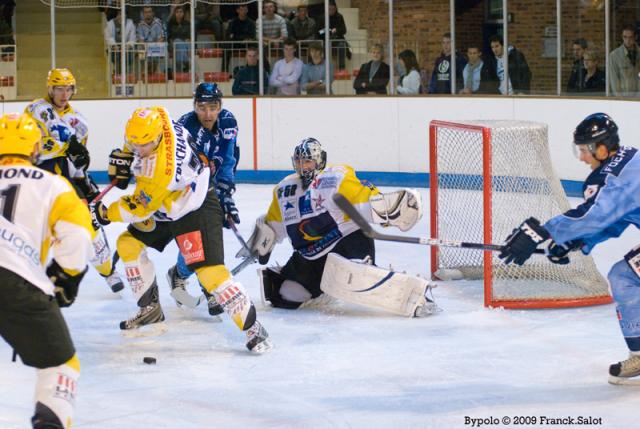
368, 230
251, 259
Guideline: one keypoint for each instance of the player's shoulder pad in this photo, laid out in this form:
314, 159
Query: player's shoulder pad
38, 103
617, 163
338, 169
291, 177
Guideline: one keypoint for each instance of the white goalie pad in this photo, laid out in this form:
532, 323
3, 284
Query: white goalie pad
262, 239
402, 209
375, 287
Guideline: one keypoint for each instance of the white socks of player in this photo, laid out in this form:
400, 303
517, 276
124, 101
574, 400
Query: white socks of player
55, 396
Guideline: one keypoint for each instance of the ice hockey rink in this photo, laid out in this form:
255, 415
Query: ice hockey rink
338, 366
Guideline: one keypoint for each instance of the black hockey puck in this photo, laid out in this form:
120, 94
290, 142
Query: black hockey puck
149, 360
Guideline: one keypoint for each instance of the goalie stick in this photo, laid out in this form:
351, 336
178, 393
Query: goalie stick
368, 230
251, 259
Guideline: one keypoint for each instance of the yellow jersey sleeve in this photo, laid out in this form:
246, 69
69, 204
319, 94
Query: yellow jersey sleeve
353, 189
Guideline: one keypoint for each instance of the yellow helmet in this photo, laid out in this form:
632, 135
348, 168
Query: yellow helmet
60, 77
19, 135
144, 127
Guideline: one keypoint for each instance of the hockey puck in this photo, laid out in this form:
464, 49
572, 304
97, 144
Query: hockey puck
149, 360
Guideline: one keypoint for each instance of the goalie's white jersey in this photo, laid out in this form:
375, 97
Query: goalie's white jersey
309, 217
39, 210
57, 126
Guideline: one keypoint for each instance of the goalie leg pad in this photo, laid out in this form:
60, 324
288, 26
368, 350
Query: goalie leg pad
372, 286
56, 395
270, 283
402, 209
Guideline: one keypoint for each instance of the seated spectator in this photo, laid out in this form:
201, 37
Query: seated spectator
274, 27
594, 80
240, 29
151, 30
519, 72
577, 69
208, 19
337, 31
409, 82
179, 30
373, 77
477, 78
286, 72
313, 74
440, 82
624, 65
304, 27
247, 78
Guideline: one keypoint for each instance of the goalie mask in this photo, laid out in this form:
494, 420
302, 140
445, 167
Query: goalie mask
596, 128
308, 150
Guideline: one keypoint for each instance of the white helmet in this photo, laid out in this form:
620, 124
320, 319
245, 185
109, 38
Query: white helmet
308, 149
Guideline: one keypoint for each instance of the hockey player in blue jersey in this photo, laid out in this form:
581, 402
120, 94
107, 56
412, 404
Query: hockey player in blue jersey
214, 131
612, 203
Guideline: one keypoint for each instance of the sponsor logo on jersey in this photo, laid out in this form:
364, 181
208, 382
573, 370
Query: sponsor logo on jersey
324, 182
304, 202
143, 199
590, 191
311, 236
617, 163
191, 247
288, 206
19, 246
229, 133
167, 137
318, 201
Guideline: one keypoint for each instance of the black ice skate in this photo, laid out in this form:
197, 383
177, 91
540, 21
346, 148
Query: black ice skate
115, 282
215, 309
258, 339
625, 372
178, 289
148, 320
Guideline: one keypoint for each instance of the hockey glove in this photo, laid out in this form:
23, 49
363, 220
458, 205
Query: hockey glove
633, 259
523, 241
225, 191
78, 154
559, 253
87, 187
98, 215
120, 167
66, 285
261, 242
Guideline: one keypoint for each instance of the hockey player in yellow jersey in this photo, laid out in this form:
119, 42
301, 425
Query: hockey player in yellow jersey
325, 240
39, 212
172, 201
64, 152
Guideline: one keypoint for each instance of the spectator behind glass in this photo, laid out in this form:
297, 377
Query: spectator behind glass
575, 82
337, 31
112, 31
624, 65
150, 29
594, 79
274, 27
313, 74
246, 78
373, 76
477, 78
286, 72
440, 82
519, 73
179, 30
409, 82
208, 19
304, 27
6, 11
241, 27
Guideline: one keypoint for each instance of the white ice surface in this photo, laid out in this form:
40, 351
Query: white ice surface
336, 367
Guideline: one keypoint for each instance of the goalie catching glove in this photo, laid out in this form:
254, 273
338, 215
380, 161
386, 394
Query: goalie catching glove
402, 209
66, 285
120, 167
261, 242
523, 241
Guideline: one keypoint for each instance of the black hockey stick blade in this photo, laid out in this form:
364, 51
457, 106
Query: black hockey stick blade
368, 230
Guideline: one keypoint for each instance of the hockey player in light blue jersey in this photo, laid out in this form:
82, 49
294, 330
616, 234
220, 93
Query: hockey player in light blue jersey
214, 131
612, 203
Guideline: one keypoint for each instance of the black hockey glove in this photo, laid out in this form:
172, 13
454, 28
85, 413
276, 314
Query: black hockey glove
98, 215
78, 154
120, 167
225, 191
523, 241
87, 187
633, 259
559, 253
66, 285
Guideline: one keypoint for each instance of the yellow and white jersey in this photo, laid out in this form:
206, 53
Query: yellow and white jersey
39, 210
57, 126
310, 218
170, 183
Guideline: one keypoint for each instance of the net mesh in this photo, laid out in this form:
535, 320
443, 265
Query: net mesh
523, 184
117, 3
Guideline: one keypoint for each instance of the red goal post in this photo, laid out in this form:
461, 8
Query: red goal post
485, 178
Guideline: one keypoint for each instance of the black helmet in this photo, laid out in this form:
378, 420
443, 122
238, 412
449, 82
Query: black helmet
597, 128
207, 92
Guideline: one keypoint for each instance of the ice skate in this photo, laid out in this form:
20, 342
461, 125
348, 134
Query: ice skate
429, 307
258, 339
215, 309
115, 282
626, 371
178, 290
147, 321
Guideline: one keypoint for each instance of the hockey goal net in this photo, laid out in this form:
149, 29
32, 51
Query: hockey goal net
486, 177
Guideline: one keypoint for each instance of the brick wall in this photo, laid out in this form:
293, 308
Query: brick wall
423, 23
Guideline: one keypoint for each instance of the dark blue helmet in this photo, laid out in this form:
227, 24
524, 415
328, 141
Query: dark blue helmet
597, 128
207, 92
